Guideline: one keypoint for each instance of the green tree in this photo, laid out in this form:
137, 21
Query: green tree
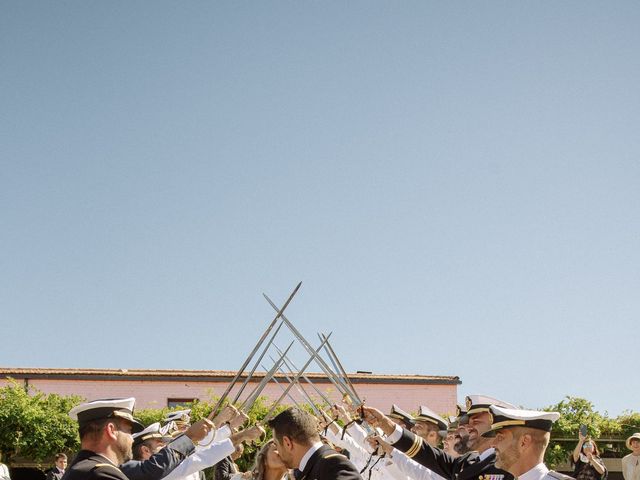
150, 415
629, 423
576, 411
36, 425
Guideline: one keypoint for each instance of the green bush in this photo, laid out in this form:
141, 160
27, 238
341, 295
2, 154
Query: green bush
36, 425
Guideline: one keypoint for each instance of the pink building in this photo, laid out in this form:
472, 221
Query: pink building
162, 388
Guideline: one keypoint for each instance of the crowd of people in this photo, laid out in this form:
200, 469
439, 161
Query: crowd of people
489, 439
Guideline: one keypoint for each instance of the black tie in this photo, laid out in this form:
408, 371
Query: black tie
297, 474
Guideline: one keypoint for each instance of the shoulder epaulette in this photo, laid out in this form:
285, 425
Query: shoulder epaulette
105, 465
559, 476
334, 455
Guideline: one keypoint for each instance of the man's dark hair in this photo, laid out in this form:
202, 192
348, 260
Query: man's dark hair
300, 426
94, 428
137, 449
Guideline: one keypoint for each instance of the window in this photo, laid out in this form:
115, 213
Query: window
179, 402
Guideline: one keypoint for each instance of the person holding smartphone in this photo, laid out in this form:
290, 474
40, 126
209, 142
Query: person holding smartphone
586, 457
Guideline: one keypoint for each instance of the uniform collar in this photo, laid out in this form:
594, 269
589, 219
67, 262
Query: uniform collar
108, 460
536, 473
486, 453
305, 458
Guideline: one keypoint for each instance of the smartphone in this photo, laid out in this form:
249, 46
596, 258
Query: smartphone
583, 430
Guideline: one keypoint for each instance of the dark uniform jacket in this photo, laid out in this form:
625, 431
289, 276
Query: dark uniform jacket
327, 464
224, 469
90, 466
161, 463
465, 467
54, 474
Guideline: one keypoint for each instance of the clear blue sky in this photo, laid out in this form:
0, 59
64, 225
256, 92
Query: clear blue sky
457, 184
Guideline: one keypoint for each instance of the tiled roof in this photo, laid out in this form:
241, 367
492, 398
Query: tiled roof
201, 375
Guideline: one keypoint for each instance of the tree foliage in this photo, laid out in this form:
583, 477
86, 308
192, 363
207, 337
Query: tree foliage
36, 425
629, 423
575, 411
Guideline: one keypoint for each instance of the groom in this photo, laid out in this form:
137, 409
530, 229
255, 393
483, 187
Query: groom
296, 437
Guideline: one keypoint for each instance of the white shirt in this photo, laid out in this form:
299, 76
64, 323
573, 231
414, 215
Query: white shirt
347, 442
215, 435
631, 467
305, 458
371, 467
411, 468
201, 459
359, 434
538, 472
4, 472
395, 435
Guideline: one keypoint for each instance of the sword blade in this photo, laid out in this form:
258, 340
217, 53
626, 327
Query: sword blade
248, 403
330, 375
297, 377
319, 360
301, 391
291, 366
253, 352
338, 375
246, 381
339, 368
282, 387
332, 354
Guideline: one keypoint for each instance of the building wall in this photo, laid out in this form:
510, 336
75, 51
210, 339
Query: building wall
154, 394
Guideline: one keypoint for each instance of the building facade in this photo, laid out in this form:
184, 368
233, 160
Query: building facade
163, 388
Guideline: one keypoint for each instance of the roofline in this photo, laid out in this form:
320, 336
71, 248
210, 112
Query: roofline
206, 376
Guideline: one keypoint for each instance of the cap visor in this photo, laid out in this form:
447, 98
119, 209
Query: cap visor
136, 426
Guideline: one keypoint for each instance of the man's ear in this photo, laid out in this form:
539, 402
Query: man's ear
525, 441
112, 430
287, 442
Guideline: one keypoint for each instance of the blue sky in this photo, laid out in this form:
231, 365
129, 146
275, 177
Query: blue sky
455, 183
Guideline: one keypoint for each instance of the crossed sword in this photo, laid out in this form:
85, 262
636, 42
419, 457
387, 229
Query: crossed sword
336, 375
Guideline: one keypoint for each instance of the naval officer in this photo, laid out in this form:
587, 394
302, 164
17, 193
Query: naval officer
520, 438
475, 465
